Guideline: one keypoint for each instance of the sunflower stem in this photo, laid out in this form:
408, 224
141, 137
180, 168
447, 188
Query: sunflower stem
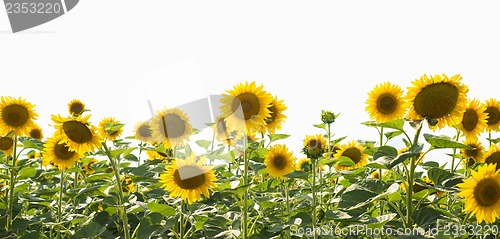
12, 185
59, 205
313, 192
381, 210
181, 220
409, 191
245, 196
454, 152
287, 206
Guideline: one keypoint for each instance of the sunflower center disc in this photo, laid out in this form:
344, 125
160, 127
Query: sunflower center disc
35, 133
249, 104
493, 115
189, 177
386, 104
76, 108
473, 152
173, 126
221, 126
487, 192
436, 100
62, 152
279, 162
470, 120
494, 158
274, 112
314, 144
77, 132
353, 153
6, 143
15, 115
144, 131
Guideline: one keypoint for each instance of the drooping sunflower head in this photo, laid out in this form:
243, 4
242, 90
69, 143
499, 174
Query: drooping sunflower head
438, 98
279, 161
385, 102
77, 133
171, 127
16, 115
143, 132
188, 179
246, 107
110, 128
59, 154
354, 151
273, 122
87, 167
76, 107
304, 164
493, 155
472, 156
493, 111
473, 119
314, 145
7, 145
36, 133
482, 193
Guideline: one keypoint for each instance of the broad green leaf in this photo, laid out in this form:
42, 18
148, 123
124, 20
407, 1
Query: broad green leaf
111, 128
214, 225
390, 135
320, 126
394, 124
414, 150
337, 215
187, 150
385, 151
441, 177
345, 161
116, 152
298, 174
91, 230
275, 137
28, 144
426, 217
376, 165
27, 172
149, 226
204, 143
444, 142
163, 209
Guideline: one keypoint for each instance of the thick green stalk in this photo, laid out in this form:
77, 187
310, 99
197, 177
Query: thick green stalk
181, 220
287, 206
245, 196
313, 192
59, 205
409, 191
12, 185
381, 210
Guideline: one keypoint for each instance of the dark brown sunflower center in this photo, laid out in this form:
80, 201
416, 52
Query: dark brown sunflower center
62, 152
249, 104
314, 144
436, 100
172, 126
471, 152
487, 192
189, 177
274, 113
144, 131
77, 132
6, 143
221, 126
15, 115
279, 162
353, 153
36, 134
470, 120
76, 108
470, 162
493, 115
494, 158
386, 103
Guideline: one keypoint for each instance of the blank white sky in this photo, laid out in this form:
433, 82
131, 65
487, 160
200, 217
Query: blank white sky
114, 55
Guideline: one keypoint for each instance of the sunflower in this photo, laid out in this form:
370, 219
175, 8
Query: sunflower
77, 133
222, 134
33, 155
471, 156
420, 155
438, 97
88, 166
354, 151
58, 153
171, 126
128, 185
16, 115
277, 117
188, 179
493, 156
76, 107
375, 174
493, 110
7, 145
114, 134
279, 161
473, 119
482, 193
36, 133
314, 145
153, 155
385, 102
246, 106
143, 132
303, 164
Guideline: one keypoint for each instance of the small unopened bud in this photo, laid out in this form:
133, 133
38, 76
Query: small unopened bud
327, 117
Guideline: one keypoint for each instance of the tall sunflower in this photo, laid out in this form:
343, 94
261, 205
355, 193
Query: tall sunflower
59, 154
354, 151
143, 132
482, 193
473, 119
493, 110
314, 145
7, 145
16, 115
76, 107
77, 133
279, 161
437, 97
114, 134
475, 155
273, 122
246, 106
36, 133
188, 179
492, 156
385, 102
171, 126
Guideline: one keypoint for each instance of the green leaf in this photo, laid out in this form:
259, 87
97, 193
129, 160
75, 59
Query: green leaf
27, 172
163, 209
298, 174
91, 230
149, 226
394, 124
444, 142
128, 151
385, 151
414, 150
214, 226
376, 165
187, 150
441, 177
337, 215
338, 140
321, 126
111, 128
392, 134
116, 152
345, 161
204, 143
28, 144
426, 217
275, 137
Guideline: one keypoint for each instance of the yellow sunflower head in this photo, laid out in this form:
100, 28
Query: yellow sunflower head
143, 132
113, 126
246, 107
59, 154
77, 133
171, 126
437, 97
128, 185
76, 107
7, 145
473, 119
304, 164
273, 122
493, 110
16, 115
33, 154
314, 145
385, 102
88, 166
154, 155
354, 151
419, 159
375, 174
222, 133
472, 156
188, 179
482, 193
493, 155
279, 161
36, 133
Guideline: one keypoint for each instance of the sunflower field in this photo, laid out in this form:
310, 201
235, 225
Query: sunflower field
91, 180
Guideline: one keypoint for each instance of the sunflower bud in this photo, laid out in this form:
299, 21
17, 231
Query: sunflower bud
327, 117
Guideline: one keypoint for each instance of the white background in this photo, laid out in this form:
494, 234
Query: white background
116, 54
